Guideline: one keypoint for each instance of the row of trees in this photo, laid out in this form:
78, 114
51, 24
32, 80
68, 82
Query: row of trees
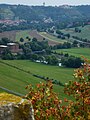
62, 35
71, 62
81, 39
4, 41
36, 50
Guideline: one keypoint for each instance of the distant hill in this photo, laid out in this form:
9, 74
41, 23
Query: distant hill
45, 13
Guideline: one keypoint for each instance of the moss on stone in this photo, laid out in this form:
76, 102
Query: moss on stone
6, 98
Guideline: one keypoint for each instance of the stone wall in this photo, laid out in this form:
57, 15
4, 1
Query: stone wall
15, 108
16, 112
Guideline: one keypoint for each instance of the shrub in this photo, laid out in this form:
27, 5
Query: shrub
47, 105
80, 89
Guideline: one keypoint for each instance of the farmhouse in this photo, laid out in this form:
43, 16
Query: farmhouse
2, 48
13, 47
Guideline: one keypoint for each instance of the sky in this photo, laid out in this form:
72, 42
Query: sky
47, 2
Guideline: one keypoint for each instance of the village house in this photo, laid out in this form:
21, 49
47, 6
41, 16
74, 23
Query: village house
13, 47
2, 48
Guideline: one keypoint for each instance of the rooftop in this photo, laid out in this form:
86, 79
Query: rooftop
3, 46
11, 43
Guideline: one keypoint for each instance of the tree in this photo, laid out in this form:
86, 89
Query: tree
21, 39
68, 35
27, 52
80, 89
34, 39
44, 39
34, 57
59, 32
7, 55
71, 61
4, 41
47, 105
76, 29
52, 60
28, 38
75, 43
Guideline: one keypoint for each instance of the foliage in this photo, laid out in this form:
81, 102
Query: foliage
47, 105
7, 55
71, 61
76, 16
77, 52
45, 102
80, 89
52, 60
77, 30
4, 41
65, 45
21, 39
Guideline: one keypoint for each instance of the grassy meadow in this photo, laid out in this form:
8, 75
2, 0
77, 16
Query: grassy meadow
78, 52
52, 38
1, 90
16, 80
83, 34
23, 34
39, 35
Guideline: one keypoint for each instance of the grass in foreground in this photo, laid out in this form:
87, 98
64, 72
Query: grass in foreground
16, 80
53, 72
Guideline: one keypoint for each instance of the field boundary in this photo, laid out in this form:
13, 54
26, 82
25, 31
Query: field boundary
57, 82
48, 38
12, 92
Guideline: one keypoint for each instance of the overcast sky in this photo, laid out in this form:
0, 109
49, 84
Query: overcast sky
47, 2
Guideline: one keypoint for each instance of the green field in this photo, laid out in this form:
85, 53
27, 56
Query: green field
16, 80
51, 37
84, 32
76, 52
1, 90
23, 34
26, 33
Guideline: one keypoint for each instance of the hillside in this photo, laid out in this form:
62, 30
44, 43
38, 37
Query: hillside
47, 14
78, 52
16, 35
83, 34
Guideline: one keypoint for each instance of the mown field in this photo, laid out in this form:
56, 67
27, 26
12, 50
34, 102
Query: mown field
85, 32
16, 80
76, 52
52, 38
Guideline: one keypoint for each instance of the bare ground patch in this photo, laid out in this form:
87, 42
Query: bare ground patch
39, 37
9, 34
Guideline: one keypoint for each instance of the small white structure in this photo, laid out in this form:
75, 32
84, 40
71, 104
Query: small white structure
60, 64
38, 61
